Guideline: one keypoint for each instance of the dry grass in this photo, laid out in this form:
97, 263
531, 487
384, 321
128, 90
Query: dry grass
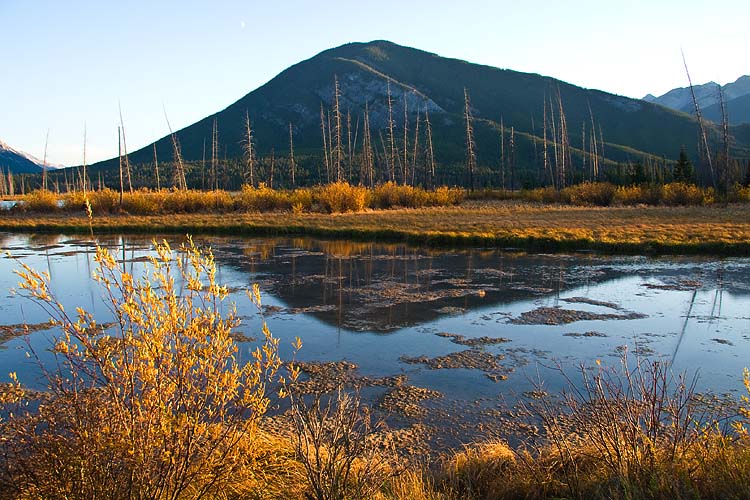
695, 229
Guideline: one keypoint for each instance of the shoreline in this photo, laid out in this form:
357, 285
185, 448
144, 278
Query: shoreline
716, 231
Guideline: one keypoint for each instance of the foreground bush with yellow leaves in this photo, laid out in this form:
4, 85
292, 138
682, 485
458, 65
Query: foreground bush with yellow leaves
161, 407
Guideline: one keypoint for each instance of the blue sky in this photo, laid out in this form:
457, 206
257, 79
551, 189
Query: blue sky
69, 63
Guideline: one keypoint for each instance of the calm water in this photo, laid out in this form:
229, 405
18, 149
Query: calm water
375, 305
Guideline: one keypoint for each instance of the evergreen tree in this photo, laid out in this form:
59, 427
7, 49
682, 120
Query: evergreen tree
746, 180
638, 174
683, 169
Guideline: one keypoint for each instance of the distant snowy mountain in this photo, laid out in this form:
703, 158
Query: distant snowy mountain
736, 98
20, 162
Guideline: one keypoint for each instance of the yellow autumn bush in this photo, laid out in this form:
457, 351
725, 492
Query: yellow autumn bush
161, 405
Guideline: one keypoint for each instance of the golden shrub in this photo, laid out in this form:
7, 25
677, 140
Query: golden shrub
679, 193
590, 193
341, 197
163, 407
40, 201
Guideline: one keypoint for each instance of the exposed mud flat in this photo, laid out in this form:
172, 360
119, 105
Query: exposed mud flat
329, 376
9, 332
559, 316
585, 334
404, 399
676, 285
472, 359
593, 302
472, 341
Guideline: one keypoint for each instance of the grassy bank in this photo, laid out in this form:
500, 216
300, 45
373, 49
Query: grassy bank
641, 229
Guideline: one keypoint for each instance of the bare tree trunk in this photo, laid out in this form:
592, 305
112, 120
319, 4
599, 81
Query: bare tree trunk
512, 158
391, 137
547, 170
368, 158
595, 158
273, 165
44, 163
704, 137
156, 166
354, 152
553, 126
292, 164
325, 144
349, 145
470, 146
119, 156
415, 154
215, 156
430, 151
203, 167
725, 136
405, 167
534, 138
179, 173
584, 164
125, 149
339, 151
502, 153
563, 140
83, 179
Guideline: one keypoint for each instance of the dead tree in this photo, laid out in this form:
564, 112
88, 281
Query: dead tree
215, 156
338, 151
349, 145
179, 171
405, 166
415, 153
249, 149
391, 136
44, 163
430, 151
368, 160
326, 156
119, 156
292, 164
701, 127
725, 138
271, 170
564, 149
83, 179
547, 169
594, 147
471, 159
125, 149
502, 153
156, 167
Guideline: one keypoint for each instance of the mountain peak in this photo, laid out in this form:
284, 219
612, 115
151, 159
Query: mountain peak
736, 97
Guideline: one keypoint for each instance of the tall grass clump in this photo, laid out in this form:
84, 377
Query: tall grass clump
40, 200
680, 193
333, 442
391, 195
341, 197
263, 199
159, 406
599, 194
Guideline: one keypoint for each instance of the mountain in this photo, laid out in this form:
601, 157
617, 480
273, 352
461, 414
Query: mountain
736, 100
18, 161
626, 129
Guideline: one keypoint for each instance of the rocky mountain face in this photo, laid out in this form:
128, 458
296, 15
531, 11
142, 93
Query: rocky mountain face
421, 83
736, 100
18, 161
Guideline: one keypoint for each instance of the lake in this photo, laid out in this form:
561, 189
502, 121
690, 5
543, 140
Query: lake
449, 337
